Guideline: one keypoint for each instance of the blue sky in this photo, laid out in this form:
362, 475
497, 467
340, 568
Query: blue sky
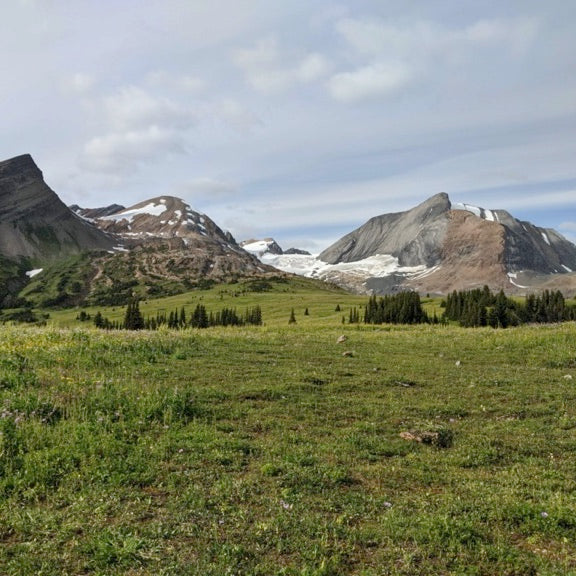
296, 119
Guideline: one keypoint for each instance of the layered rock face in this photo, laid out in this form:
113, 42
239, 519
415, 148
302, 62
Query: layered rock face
35, 223
414, 237
462, 247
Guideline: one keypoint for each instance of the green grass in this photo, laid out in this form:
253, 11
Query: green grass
267, 450
276, 301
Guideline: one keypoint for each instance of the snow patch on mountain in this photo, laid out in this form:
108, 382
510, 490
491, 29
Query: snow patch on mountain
151, 209
35, 272
258, 247
483, 213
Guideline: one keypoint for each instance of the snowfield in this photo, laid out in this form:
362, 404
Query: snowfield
378, 266
258, 248
150, 209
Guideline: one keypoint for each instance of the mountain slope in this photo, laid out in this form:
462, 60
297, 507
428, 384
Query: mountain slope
438, 247
169, 248
414, 237
34, 223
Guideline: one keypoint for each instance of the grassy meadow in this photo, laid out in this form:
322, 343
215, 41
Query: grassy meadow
276, 450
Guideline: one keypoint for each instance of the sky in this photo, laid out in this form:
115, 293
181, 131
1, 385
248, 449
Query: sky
296, 119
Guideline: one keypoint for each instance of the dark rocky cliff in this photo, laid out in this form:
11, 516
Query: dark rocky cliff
34, 223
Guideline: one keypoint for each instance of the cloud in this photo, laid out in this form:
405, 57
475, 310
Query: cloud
390, 56
208, 188
369, 81
266, 71
426, 39
125, 152
185, 82
81, 83
569, 226
140, 128
133, 108
235, 115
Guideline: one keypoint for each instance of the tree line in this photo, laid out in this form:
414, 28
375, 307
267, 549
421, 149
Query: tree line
481, 307
470, 308
179, 318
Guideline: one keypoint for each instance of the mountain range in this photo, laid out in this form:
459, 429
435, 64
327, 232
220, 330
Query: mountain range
438, 247
51, 254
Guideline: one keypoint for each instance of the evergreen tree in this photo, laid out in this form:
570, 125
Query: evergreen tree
133, 319
98, 320
199, 317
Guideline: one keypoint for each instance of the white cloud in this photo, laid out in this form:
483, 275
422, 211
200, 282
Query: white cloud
81, 83
235, 115
266, 71
124, 152
133, 108
208, 188
138, 128
169, 81
426, 39
369, 81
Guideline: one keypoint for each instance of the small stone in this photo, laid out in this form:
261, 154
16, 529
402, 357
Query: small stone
341, 339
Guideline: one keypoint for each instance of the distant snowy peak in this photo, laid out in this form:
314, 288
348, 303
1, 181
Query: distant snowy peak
269, 246
261, 247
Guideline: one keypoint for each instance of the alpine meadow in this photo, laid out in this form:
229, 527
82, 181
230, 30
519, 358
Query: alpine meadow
313, 447
288, 288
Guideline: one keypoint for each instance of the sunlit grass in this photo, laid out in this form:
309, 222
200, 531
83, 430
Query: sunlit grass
267, 450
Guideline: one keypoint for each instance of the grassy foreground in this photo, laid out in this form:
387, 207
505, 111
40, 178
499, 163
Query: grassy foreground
277, 450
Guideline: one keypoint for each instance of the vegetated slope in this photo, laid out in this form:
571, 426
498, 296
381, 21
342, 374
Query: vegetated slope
36, 228
459, 247
168, 248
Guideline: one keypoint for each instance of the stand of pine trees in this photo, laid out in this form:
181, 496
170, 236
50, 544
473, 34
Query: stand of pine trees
402, 308
481, 307
179, 319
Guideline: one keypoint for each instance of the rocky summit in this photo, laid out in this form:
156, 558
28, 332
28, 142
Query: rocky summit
167, 237
440, 247
34, 223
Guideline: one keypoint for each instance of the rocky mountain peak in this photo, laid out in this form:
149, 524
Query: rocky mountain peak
18, 172
34, 222
414, 236
164, 217
456, 246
